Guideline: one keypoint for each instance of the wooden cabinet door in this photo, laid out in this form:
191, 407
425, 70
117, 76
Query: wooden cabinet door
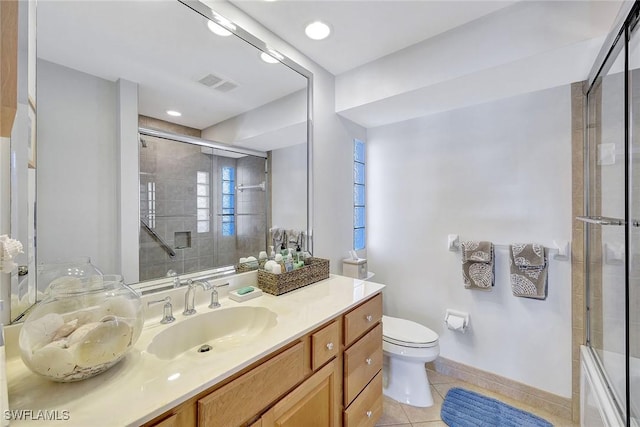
245, 397
312, 404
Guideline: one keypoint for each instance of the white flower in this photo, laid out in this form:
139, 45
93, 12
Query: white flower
8, 249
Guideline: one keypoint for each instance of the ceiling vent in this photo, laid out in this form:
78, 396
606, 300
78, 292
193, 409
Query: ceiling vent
210, 80
217, 83
226, 86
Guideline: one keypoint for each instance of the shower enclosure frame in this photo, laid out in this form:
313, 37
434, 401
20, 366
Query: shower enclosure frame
616, 43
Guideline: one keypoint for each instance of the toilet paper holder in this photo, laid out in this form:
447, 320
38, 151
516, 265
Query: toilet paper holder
456, 320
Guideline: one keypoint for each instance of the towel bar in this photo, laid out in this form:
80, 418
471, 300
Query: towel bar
560, 250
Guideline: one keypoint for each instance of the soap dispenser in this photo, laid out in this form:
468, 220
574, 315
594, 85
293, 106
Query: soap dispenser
288, 261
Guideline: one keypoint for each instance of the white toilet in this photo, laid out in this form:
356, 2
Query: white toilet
407, 346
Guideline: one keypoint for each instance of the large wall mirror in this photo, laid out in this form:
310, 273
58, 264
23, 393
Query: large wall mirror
125, 181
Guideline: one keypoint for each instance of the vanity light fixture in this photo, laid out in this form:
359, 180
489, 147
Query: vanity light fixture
174, 113
317, 30
217, 29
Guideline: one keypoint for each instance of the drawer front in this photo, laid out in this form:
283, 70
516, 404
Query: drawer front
172, 421
325, 345
362, 361
366, 410
358, 321
248, 395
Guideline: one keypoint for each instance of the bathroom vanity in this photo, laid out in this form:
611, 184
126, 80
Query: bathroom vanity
311, 354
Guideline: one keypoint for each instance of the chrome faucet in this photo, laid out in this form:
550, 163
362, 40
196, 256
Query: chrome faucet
190, 295
167, 310
214, 295
176, 279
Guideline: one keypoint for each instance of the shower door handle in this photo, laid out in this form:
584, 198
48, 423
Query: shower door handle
601, 220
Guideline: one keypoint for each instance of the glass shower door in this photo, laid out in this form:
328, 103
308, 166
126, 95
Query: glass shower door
634, 227
605, 225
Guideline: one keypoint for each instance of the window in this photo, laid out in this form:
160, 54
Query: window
151, 200
228, 201
358, 195
202, 200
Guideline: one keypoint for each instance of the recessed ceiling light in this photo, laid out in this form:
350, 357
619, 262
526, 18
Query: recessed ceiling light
223, 21
268, 58
317, 30
218, 29
174, 113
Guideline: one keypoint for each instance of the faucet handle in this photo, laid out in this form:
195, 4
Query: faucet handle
214, 295
176, 278
167, 310
221, 285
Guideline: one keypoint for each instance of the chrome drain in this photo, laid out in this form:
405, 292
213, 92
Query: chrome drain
204, 348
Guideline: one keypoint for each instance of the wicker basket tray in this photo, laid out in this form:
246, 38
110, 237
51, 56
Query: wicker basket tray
278, 284
243, 267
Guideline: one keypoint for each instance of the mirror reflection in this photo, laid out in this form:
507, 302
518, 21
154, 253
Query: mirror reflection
139, 205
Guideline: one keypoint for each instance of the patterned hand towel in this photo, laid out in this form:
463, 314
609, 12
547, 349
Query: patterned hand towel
528, 265
477, 265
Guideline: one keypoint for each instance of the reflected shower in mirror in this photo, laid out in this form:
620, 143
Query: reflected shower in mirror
104, 68
194, 209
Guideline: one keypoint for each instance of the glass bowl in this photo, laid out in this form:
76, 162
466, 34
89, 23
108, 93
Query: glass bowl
83, 327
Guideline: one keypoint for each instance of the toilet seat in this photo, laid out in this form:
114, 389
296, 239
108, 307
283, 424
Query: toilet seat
406, 333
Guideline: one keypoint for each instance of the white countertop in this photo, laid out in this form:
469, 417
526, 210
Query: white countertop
141, 386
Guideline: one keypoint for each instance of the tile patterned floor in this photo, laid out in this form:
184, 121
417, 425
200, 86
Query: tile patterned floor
401, 415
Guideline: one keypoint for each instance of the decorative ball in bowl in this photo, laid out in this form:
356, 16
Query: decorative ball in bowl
83, 327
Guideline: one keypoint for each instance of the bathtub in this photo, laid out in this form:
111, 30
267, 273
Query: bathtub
598, 407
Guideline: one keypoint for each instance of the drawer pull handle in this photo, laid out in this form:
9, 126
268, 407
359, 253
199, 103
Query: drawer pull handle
330, 346
369, 318
368, 360
369, 413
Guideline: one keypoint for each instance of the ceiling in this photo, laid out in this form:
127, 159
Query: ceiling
393, 60
166, 49
397, 60
363, 30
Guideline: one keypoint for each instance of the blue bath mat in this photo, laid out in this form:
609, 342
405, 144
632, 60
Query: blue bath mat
464, 408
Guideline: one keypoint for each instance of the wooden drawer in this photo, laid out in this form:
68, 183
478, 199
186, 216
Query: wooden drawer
325, 345
172, 421
366, 410
358, 321
246, 396
362, 361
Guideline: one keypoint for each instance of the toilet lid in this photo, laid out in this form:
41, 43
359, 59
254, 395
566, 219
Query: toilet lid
405, 331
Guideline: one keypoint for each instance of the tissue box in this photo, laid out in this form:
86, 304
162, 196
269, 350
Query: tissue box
356, 268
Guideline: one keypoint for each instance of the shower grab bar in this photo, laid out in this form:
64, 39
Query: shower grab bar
158, 239
261, 186
601, 220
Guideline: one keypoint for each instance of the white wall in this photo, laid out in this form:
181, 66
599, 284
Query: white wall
278, 124
501, 172
289, 187
76, 183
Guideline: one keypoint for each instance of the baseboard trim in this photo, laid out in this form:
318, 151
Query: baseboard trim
554, 404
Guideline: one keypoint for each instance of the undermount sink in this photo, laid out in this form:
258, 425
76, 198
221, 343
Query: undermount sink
214, 331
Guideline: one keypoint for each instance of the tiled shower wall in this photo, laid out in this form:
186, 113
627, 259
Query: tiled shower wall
251, 223
173, 167
577, 241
